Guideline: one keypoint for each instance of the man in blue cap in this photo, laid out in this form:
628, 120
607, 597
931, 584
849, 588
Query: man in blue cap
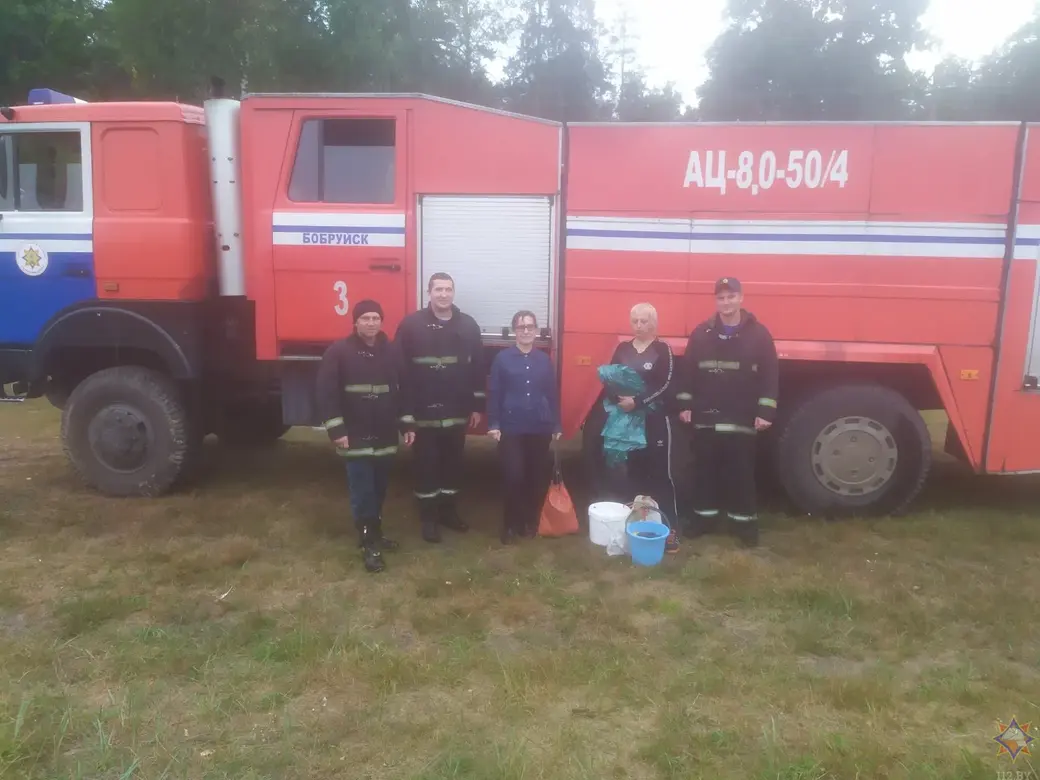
359, 398
728, 392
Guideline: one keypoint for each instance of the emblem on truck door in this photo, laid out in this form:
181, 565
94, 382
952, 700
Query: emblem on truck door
32, 259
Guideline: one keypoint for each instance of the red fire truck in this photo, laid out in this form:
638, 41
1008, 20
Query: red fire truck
170, 271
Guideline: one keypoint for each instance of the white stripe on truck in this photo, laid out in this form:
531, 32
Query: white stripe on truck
798, 237
338, 228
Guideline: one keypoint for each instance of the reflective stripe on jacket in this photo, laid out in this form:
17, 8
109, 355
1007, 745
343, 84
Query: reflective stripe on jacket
359, 396
729, 378
441, 368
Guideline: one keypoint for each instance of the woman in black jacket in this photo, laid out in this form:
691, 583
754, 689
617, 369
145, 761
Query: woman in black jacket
649, 470
523, 410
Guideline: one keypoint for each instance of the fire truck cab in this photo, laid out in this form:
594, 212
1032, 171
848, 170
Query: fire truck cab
202, 260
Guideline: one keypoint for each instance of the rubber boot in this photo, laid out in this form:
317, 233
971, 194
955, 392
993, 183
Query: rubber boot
449, 515
388, 545
746, 532
700, 525
431, 532
370, 553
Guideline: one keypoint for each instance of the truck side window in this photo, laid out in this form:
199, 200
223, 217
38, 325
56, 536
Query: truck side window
344, 161
6, 177
50, 171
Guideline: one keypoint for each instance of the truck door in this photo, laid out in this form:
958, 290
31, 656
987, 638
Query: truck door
339, 232
46, 226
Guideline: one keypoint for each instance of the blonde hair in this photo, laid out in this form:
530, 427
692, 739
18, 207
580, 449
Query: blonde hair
647, 309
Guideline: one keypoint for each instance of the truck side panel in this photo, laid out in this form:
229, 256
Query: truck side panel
820, 222
334, 194
486, 187
152, 223
467, 151
969, 371
1015, 410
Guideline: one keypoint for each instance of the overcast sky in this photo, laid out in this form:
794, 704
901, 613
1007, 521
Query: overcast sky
673, 35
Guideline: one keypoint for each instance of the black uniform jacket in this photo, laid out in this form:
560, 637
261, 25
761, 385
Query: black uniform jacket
442, 371
359, 396
729, 379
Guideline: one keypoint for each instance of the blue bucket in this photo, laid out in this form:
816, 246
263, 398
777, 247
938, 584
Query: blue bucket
646, 540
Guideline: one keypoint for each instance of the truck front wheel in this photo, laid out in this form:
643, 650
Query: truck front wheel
126, 432
853, 449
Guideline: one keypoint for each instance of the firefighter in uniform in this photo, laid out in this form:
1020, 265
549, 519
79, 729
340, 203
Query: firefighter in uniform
728, 391
359, 397
443, 380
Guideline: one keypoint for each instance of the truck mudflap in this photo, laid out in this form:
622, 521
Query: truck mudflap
14, 366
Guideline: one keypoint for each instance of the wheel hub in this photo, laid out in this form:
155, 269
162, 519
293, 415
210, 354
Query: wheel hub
120, 437
854, 456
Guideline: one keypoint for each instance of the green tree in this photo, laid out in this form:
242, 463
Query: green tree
631, 98
558, 71
1005, 86
641, 103
52, 43
816, 59
170, 50
461, 39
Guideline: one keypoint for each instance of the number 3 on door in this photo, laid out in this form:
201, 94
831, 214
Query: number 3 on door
343, 307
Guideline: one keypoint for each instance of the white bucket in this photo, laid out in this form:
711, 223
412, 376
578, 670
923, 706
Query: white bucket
607, 522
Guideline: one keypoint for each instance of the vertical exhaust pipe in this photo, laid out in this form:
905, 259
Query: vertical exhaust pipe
222, 134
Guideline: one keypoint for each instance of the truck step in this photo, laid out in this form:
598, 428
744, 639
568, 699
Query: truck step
9, 399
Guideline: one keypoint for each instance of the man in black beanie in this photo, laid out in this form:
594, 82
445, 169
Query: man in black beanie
359, 398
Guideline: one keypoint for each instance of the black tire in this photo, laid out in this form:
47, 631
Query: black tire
879, 474
126, 432
57, 395
251, 425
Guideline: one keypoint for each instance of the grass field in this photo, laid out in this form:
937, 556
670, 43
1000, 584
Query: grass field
231, 632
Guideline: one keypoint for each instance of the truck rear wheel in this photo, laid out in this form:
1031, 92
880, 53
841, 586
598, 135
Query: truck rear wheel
854, 449
126, 432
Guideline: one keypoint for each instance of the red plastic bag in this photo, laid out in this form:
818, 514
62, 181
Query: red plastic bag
558, 515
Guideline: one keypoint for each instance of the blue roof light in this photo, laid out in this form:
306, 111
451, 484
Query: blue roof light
47, 97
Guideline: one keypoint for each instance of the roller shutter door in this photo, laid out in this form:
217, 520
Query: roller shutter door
498, 250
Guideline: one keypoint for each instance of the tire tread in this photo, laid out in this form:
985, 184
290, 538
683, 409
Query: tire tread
894, 501
141, 382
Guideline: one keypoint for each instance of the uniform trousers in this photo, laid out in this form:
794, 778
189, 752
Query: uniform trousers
438, 462
367, 478
724, 476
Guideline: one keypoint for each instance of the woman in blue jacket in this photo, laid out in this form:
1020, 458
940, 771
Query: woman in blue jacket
523, 409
